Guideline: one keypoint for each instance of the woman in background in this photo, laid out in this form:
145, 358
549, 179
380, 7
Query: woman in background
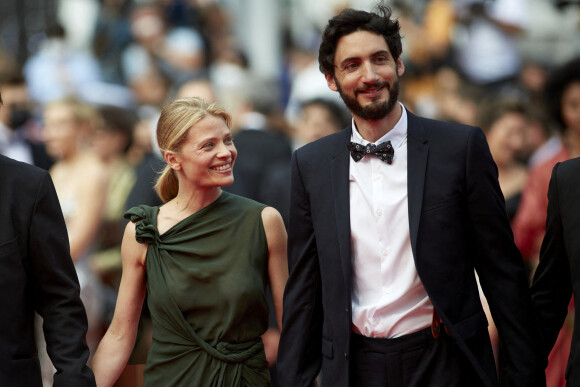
81, 182
503, 120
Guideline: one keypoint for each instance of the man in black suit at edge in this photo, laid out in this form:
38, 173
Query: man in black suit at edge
556, 279
389, 221
37, 276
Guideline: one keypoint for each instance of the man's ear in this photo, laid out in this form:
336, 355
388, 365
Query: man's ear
330, 82
400, 67
172, 159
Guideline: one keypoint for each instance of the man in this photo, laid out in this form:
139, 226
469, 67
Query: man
556, 278
37, 276
383, 248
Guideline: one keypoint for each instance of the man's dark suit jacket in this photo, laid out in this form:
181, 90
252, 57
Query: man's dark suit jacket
37, 275
457, 223
557, 277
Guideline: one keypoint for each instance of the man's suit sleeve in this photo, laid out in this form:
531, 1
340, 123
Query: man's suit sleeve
552, 286
299, 356
56, 290
501, 269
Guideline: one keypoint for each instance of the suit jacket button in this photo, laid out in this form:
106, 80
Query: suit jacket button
346, 356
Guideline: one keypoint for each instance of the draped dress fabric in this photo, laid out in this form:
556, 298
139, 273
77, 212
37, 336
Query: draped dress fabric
206, 291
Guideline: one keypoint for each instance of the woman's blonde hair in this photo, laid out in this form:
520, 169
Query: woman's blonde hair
176, 119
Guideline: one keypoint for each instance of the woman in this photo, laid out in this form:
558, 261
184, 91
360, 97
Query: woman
80, 179
111, 142
205, 258
503, 120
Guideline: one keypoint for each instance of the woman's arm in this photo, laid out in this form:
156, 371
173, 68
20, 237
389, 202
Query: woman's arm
278, 274
84, 225
117, 344
277, 262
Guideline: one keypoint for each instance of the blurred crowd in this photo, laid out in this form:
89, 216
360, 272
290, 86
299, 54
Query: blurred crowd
87, 112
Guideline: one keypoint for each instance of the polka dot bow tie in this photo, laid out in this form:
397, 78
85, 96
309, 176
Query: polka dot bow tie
384, 151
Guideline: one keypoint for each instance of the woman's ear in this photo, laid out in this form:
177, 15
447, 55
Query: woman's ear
172, 159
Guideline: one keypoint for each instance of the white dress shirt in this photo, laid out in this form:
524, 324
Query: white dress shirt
13, 145
388, 298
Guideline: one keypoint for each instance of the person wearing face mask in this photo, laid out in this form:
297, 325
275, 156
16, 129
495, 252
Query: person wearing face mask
204, 258
17, 138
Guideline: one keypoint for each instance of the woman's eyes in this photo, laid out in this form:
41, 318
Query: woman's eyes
211, 144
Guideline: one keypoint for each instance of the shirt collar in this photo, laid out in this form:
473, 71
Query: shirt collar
396, 136
6, 134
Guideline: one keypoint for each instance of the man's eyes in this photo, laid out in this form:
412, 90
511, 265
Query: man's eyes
381, 59
351, 66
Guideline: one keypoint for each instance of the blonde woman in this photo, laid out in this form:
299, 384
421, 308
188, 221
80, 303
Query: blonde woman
204, 258
81, 182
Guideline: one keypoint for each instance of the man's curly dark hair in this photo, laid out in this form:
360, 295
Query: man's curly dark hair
351, 20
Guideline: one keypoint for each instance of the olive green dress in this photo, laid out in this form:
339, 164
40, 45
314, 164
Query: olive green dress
206, 291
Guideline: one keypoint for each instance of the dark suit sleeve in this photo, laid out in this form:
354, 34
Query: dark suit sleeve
299, 355
501, 269
56, 290
552, 286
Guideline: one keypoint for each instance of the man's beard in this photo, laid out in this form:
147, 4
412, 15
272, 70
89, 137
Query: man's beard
374, 110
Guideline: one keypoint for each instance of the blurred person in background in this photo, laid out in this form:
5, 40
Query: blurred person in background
456, 99
485, 41
111, 140
541, 141
111, 36
503, 120
19, 135
57, 70
38, 276
305, 81
562, 99
80, 178
159, 50
319, 117
259, 137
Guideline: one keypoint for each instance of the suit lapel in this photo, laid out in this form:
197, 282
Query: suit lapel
418, 150
340, 190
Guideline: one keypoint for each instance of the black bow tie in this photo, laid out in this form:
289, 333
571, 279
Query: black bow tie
384, 151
